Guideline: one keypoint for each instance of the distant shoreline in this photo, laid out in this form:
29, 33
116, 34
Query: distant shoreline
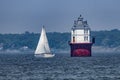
95, 49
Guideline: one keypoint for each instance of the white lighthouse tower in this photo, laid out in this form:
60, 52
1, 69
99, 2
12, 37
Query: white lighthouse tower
80, 32
80, 38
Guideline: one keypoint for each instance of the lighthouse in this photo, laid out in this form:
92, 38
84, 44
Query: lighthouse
80, 43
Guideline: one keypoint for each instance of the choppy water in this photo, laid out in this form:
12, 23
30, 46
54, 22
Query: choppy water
62, 67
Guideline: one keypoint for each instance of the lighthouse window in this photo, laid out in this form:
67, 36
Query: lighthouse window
73, 39
86, 38
86, 31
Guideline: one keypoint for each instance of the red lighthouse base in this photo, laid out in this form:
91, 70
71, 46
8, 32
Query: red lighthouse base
80, 49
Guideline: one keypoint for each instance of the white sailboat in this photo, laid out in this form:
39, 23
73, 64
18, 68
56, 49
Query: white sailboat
43, 49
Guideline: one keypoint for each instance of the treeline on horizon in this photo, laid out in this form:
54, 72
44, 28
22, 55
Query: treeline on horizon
56, 40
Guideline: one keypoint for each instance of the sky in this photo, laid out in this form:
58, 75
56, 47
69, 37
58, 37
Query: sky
18, 16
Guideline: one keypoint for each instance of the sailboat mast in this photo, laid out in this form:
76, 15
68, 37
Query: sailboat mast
46, 44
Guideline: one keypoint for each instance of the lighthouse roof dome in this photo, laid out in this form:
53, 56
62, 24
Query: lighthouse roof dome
80, 23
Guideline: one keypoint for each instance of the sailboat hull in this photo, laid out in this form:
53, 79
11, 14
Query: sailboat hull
45, 55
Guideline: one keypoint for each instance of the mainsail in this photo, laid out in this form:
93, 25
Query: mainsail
43, 46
